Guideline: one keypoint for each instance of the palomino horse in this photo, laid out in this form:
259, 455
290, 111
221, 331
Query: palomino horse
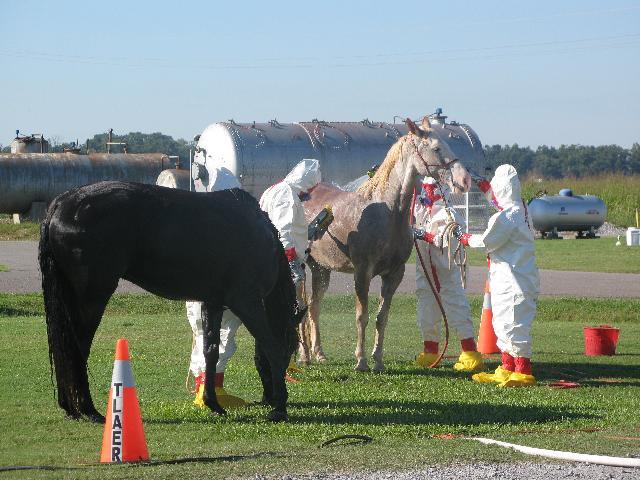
371, 235
218, 248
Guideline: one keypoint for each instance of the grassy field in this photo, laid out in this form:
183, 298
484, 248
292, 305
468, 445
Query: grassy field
416, 417
596, 255
21, 231
620, 193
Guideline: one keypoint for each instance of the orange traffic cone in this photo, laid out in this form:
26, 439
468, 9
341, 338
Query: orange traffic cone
123, 439
487, 337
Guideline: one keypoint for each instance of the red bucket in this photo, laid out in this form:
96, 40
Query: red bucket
600, 340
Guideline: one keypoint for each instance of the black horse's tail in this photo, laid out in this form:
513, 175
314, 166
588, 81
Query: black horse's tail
281, 305
63, 347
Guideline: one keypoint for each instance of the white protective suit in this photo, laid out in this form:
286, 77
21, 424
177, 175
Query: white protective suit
454, 300
220, 179
284, 207
513, 275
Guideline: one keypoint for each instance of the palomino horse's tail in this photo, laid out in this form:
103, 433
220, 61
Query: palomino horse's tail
63, 347
281, 305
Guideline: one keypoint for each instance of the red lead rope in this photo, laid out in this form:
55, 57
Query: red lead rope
436, 294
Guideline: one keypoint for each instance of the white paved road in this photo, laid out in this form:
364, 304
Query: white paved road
21, 259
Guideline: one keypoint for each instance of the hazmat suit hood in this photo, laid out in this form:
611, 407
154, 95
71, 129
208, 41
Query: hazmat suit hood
506, 186
221, 178
304, 175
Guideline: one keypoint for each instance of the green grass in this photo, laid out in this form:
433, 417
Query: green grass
620, 193
404, 409
3, 268
20, 231
595, 255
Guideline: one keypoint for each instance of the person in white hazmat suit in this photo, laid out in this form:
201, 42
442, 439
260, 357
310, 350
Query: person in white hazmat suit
513, 277
432, 215
283, 204
219, 179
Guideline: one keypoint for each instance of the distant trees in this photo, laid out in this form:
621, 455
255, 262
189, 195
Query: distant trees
137, 142
566, 160
545, 162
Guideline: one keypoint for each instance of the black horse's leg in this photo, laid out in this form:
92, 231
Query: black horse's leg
270, 348
91, 308
264, 371
211, 321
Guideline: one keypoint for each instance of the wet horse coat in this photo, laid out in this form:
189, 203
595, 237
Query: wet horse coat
371, 235
218, 248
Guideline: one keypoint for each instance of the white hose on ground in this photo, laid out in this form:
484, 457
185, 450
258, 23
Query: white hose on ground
571, 456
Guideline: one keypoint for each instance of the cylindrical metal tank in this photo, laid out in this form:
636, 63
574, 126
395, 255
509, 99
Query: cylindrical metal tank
174, 178
36, 177
34, 143
567, 212
261, 154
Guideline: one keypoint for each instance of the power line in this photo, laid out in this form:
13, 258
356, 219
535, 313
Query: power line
498, 51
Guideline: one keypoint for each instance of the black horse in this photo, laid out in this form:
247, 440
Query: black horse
218, 248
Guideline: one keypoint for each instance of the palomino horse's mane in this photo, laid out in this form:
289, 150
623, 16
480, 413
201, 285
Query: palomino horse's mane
380, 180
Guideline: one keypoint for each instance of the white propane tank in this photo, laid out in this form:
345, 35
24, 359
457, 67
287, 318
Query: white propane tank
174, 178
633, 236
567, 212
261, 154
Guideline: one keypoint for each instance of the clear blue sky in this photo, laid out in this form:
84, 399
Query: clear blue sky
544, 72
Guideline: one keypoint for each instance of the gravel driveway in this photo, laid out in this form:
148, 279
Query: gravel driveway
502, 471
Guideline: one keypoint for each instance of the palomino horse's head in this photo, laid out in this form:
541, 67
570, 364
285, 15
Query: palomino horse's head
434, 158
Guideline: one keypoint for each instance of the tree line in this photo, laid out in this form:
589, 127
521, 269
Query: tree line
566, 160
544, 161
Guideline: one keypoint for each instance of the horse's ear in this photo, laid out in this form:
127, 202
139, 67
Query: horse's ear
413, 128
426, 125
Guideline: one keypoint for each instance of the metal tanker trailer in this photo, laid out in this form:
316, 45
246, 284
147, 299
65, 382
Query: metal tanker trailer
261, 154
551, 214
29, 181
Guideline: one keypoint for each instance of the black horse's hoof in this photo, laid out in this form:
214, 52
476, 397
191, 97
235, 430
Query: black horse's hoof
278, 416
96, 417
217, 410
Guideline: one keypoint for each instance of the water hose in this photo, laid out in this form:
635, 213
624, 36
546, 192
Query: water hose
561, 455
436, 294
459, 255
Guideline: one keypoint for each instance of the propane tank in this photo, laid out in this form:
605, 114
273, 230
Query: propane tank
567, 212
30, 178
261, 154
174, 178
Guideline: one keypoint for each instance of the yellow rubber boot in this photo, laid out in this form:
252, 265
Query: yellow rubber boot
425, 360
518, 380
499, 376
469, 362
199, 400
228, 401
293, 368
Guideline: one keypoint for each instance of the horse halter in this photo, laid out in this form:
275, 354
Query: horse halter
443, 164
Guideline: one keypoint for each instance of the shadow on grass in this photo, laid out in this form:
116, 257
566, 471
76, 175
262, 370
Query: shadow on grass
388, 412
591, 374
8, 311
